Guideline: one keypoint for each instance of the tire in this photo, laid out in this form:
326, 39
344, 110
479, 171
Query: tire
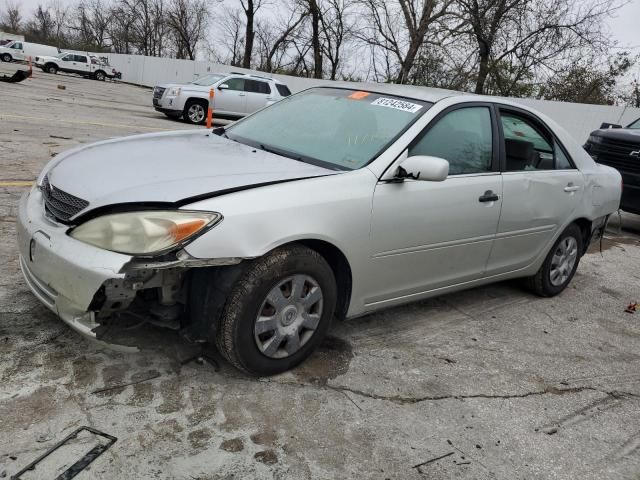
195, 112
51, 68
560, 265
100, 76
5, 57
267, 345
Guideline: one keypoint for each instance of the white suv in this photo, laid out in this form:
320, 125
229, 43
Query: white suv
235, 96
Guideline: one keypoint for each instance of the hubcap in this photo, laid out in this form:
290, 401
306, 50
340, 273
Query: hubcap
563, 261
288, 316
196, 113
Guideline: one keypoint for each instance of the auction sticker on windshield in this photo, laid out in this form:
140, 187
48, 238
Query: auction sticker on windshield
397, 104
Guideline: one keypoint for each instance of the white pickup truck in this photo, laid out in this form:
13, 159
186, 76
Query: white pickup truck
84, 64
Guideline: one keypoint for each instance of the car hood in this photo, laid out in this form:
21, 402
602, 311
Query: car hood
185, 87
625, 134
46, 57
170, 167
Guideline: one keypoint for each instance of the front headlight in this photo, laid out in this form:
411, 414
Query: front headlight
595, 139
173, 92
144, 233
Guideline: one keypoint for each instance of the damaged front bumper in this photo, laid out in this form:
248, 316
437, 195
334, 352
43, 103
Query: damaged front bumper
63, 273
91, 288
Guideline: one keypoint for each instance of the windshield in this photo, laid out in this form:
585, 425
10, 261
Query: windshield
334, 128
207, 79
635, 124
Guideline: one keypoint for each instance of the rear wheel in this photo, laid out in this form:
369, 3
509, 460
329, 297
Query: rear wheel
278, 311
195, 111
6, 57
560, 265
51, 68
100, 76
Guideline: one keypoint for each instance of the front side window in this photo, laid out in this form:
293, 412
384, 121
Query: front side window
635, 124
68, 57
463, 137
236, 84
529, 147
17, 46
335, 128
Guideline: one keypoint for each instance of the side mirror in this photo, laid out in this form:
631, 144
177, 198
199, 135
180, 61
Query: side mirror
422, 167
224, 86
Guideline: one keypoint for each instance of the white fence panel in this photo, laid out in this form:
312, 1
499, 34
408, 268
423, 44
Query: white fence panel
578, 119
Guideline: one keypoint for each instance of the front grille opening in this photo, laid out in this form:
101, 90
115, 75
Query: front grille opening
60, 204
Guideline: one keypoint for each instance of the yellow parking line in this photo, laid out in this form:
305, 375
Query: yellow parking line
53, 122
17, 183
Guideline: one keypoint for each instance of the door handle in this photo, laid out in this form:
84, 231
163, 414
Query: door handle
571, 188
489, 196
242, 94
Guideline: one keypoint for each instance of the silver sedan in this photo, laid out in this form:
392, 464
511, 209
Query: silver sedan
332, 203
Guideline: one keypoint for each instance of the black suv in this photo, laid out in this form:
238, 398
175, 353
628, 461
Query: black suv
620, 148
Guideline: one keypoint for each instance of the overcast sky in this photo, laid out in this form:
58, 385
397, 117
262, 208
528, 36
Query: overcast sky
624, 25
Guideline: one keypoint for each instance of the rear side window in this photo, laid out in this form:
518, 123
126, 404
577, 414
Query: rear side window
283, 90
80, 58
463, 137
530, 147
255, 86
235, 83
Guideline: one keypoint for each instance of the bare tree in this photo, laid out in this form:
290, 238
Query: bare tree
521, 35
11, 19
250, 8
276, 36
41, 27
400, 28
231, 38
187, 21
336, 29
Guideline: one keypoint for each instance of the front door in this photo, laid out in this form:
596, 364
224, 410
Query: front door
67, 63
231, 100
541, 189
80, 64
17, 51
429, 235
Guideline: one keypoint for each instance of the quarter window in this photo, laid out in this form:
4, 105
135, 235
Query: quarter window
283, 90
463, 137
529, 147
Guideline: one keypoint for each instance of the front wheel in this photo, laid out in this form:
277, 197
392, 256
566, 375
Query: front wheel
278, 311
195, 112
5, 57
560, 265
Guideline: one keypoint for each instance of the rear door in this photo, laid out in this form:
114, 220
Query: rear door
80, 64
258, 94
541, 189
232, 100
